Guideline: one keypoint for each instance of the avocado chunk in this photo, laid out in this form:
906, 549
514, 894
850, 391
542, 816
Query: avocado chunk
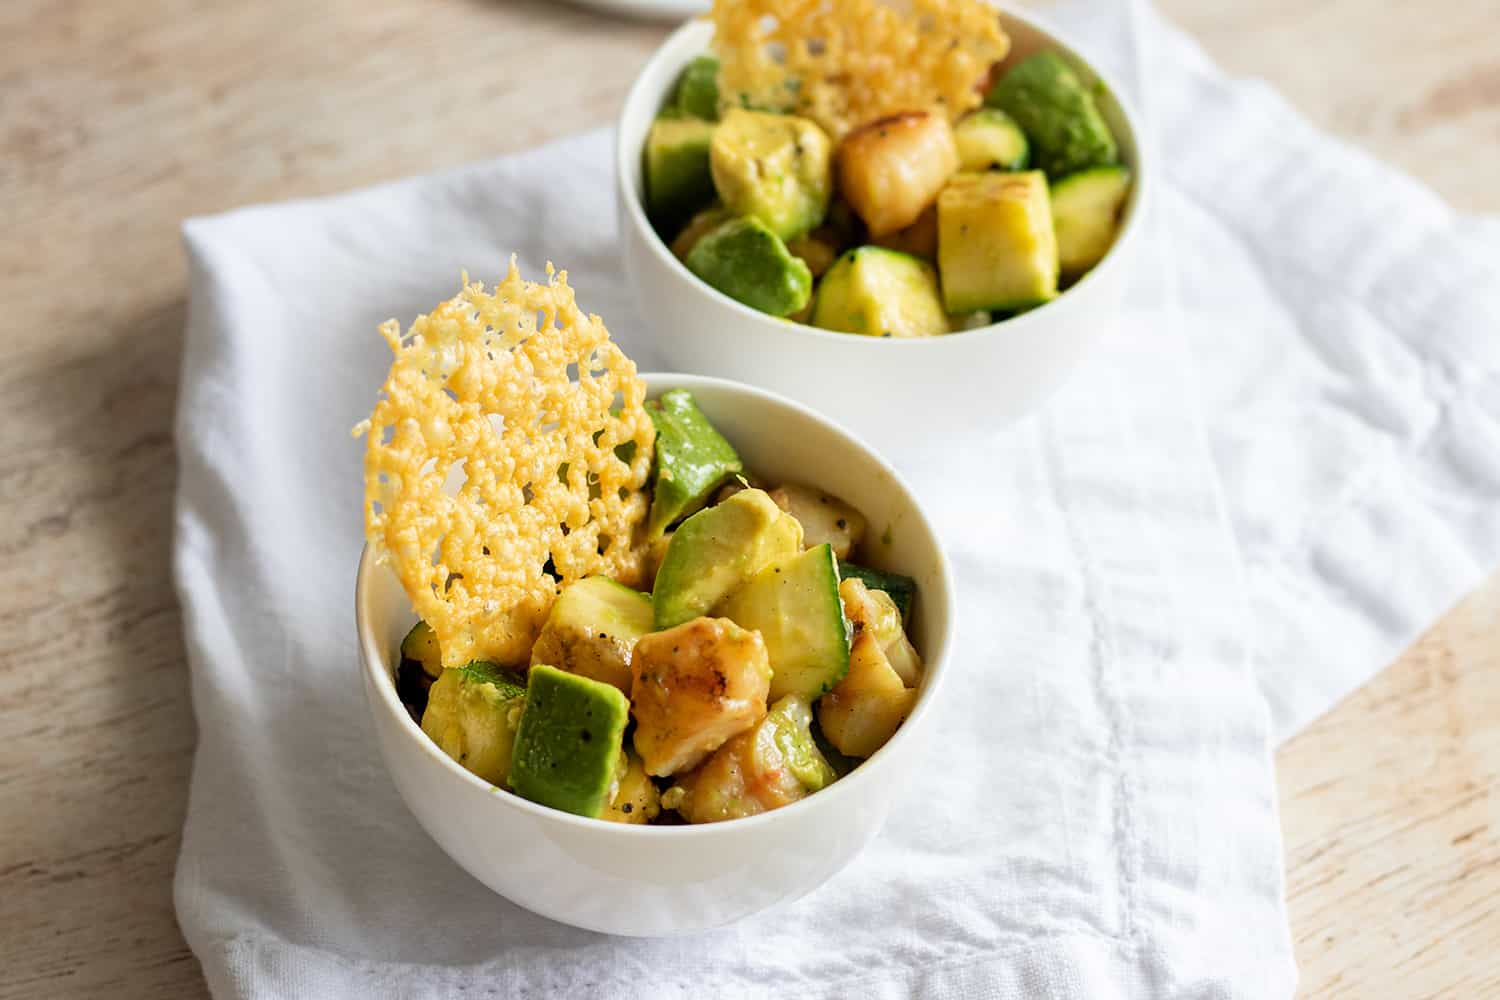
901, 589
823, 516
696, 686
697, 94
1085, 215
471, 715
421, 647
880, 293
989, 139
1055, 108
794, 604
568, 742
749, 263
792, 717
996, 247
592, 628
716, 550
775, 168
692, 460
678, 179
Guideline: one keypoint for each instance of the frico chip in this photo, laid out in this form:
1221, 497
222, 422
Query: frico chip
846, 62
506, 458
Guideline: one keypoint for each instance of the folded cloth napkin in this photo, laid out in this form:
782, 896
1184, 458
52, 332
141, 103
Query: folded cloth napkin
1096, 816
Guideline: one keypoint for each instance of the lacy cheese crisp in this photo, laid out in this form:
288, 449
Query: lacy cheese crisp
846, 62
507, 457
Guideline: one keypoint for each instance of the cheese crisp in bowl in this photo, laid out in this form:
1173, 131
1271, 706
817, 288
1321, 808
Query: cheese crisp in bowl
911, 215
645, 653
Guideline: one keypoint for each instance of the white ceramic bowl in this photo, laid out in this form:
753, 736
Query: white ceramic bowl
642, 880
896, 392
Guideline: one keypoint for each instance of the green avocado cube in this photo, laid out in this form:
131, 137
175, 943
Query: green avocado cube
717, 550
880, 293
678, 179
996, 246
569, 741
749, 263
1055, 108
692, 460
698, 89
775, 168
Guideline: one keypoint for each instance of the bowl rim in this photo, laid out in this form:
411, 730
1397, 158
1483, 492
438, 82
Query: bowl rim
377, 678
1128, 235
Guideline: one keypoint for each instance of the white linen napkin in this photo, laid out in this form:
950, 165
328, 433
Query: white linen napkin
1096, 816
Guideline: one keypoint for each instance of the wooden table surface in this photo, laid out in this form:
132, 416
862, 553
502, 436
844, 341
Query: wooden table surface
119, 120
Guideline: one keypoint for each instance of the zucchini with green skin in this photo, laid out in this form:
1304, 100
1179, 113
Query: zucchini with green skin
880, 293
989, 139
471, 714
794, 604
1086, 215
792, 719
997, 250
421, 647
901, 589
1055, 108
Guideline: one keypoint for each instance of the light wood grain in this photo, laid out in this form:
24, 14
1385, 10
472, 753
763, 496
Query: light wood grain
119, 120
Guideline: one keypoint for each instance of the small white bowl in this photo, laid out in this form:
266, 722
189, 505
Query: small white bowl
643, 880
894, 391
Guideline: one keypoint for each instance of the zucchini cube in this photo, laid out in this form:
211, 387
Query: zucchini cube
996, 246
